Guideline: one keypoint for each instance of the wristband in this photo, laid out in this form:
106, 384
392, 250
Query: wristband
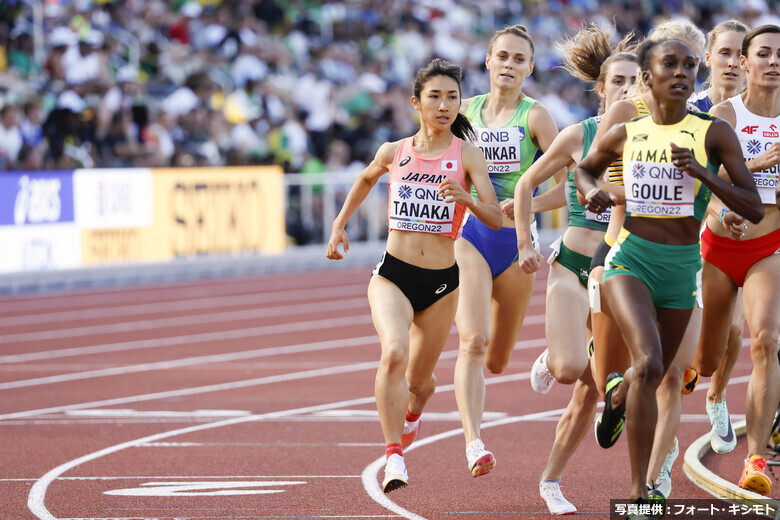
722, 212
591, 193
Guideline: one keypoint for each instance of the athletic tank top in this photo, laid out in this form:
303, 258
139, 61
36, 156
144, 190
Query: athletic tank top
701, 100
616, 168
414, 202
756, 134
509, 150
654, 186
579, 216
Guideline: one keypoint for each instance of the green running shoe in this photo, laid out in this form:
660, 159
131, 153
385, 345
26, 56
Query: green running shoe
610, 424
657, 502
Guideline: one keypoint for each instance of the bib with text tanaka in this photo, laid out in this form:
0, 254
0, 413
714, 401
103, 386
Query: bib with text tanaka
415, 204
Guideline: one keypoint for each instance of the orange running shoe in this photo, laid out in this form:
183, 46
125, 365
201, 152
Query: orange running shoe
754, 476
411, 429
690, 380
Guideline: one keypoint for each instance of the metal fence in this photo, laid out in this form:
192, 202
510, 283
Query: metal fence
314, 200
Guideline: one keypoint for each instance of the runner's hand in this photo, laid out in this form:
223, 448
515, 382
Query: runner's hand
528, 259
508, 208
770, 157
684, 160
735, 224
337, 236
599, 200
451, 191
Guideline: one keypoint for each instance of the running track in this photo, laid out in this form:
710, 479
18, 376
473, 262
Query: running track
253, 398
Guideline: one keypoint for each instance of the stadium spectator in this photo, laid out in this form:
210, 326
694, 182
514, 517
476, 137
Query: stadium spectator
60, 40
30, 126
329, 70
30, 158
82, 63
10, 135
119, 98
180, 30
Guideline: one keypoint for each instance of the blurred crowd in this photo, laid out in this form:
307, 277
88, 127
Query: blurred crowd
311, 86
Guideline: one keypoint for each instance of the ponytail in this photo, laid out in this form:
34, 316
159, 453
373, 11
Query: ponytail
462, 128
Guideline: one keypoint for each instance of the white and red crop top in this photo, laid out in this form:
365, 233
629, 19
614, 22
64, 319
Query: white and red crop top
414, 201
756, 135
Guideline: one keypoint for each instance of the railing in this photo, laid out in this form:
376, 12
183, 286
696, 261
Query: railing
39, 52
132, 43
314, 200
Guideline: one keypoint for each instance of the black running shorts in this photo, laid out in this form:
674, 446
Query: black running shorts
423, 287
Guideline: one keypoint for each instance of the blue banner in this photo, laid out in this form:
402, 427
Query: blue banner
40, 197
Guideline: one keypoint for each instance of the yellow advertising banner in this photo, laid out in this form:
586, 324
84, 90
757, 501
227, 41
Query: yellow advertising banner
198, 212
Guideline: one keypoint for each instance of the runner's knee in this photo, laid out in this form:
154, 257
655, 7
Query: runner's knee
395, 356
474, 344
496, 362
566, 369
708, 363
649, 371
423, 387
763, 347
672, 380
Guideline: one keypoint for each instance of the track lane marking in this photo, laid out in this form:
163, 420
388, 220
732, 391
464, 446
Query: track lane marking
196, 360
121, 346
64, 303
213, 318
449, 354
203, 337
35, 499
108, 295
369, 475
175, 305
37, 495
191, 361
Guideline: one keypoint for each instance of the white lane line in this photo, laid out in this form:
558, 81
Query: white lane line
36, 498
188, 339
520, 345
331, 304
213, 318
222, 287
35, 501
112, 295
184, 477
216, 511
684, 418
369, 475
198, 360
190, 304
343, 369
192, 361
532, 319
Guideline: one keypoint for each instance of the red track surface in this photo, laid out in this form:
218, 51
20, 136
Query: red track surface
253, 398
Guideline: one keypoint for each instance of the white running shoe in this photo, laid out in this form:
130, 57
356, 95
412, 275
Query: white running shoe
411, 429
541, 377
550, 491
480, 460
395, 474
722, 438
664, 481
